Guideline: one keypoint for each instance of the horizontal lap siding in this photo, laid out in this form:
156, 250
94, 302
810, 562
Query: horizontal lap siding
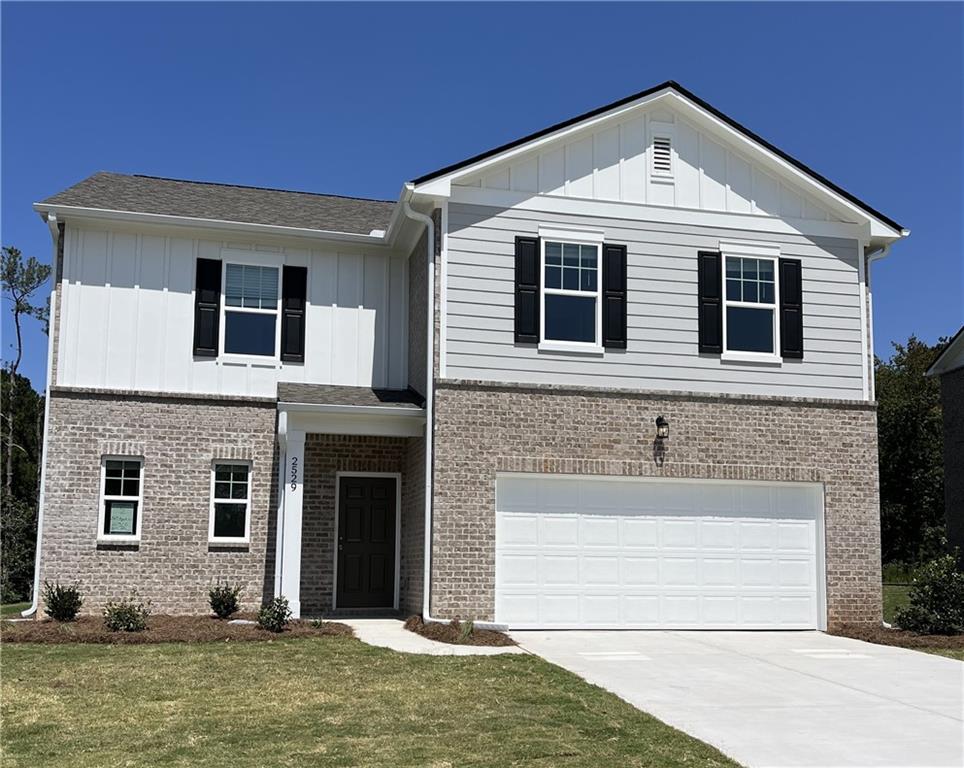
661, 318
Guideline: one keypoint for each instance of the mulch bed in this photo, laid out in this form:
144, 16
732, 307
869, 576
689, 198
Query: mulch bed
160, 629
452, 633
899, 637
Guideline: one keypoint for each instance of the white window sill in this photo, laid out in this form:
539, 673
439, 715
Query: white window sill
262, 361
573, 348
751, 357
228, 542
118, 539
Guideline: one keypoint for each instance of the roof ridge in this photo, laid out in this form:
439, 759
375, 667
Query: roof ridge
249, 186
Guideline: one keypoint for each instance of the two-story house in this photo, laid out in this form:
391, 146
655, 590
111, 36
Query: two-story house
617, 373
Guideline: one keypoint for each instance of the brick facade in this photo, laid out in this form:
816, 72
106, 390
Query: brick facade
173, 564
486, 428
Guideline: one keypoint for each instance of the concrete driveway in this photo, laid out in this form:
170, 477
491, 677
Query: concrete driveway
779, 698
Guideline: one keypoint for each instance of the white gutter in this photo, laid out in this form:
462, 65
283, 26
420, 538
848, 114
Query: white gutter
51, 331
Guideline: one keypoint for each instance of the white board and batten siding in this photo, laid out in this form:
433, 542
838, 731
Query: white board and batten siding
127, 316
662, 351
633, 553
615, 162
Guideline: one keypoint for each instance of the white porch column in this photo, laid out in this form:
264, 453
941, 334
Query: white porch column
290, 544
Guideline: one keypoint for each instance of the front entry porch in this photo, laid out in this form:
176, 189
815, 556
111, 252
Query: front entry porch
350, 503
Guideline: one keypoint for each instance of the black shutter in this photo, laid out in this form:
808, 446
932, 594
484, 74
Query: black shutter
614, 296
710, 275
294, 291
527, 290
207, 307
791, 308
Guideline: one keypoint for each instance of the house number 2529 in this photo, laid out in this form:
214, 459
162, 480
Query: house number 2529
294, 473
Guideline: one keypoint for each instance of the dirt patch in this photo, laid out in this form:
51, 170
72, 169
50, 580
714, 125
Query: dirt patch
899, 637
160, 629
457, 633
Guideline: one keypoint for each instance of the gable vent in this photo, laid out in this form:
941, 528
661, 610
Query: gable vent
662, 156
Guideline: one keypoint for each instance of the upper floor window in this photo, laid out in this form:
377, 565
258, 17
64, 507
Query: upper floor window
122, 480
250, 310
230, 503
570, 296
750, 316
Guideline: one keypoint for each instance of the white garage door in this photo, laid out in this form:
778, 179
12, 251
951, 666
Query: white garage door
635, 553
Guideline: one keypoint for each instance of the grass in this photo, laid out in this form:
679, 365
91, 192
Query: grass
895, 596
318, 702
11, 610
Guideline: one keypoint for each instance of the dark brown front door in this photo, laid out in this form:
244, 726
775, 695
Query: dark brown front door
366, 542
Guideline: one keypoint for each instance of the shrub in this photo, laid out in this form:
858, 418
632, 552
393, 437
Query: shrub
275, 615
63, 602
465, 630
936, 600
128, 615
224, 599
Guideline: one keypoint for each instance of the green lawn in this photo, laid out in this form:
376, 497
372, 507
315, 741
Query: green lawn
317, 702
895, 596
10, 610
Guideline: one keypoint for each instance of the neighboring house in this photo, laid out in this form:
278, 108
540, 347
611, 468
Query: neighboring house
950, 367
448, 403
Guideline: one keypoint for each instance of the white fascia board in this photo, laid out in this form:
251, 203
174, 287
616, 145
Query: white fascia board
353, 419
951, 358
80, 212
654, 213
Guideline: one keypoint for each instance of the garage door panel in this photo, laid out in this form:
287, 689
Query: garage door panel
612, 553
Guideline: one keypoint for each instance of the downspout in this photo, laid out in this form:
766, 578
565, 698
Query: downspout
871, 257
53, 224
429, 397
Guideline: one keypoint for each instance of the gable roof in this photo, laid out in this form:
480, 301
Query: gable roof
951, 358
225, 202
670, 85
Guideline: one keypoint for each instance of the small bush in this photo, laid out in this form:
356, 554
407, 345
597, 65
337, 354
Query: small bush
63, 601
936, 600
275, 615
225, 599
128, 615
465, 630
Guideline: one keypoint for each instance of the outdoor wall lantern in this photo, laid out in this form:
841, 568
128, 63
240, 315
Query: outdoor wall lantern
662, 428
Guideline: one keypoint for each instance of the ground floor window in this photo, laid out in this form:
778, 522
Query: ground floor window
230, 502
122, 480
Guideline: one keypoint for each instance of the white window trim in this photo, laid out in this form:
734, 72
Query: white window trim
104, 498
567, 237
246, 539
761, 252
233, 260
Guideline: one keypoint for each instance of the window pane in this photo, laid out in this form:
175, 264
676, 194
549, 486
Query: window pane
732, 267
766, 270
239, 473
766, 292
132, 469
115, 468
249, 334
113, 487
229, 520
120, 517
553, 253
749, 330
131, 487
251, 286
239, 490
588, 256
733, 290
222, 472
588, 280
570, 318
749, 291
749, 269
570, 255
553, 277
222, 490
570, 279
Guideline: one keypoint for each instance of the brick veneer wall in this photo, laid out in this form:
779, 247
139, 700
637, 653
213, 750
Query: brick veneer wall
485, 428
178, 437
952, 401
325, 456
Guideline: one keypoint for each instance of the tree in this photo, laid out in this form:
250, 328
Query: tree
911, 443
21, 280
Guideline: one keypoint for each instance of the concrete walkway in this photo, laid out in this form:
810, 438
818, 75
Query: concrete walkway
779, 698
391, 633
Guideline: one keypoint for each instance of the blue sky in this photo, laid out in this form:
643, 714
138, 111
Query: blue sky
356, 99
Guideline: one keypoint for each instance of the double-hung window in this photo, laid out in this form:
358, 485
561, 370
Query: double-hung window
122, 482
571, 310
230, 503
750, 315
251, 310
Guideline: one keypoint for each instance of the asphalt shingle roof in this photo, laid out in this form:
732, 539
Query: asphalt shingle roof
327, 394
226, 202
